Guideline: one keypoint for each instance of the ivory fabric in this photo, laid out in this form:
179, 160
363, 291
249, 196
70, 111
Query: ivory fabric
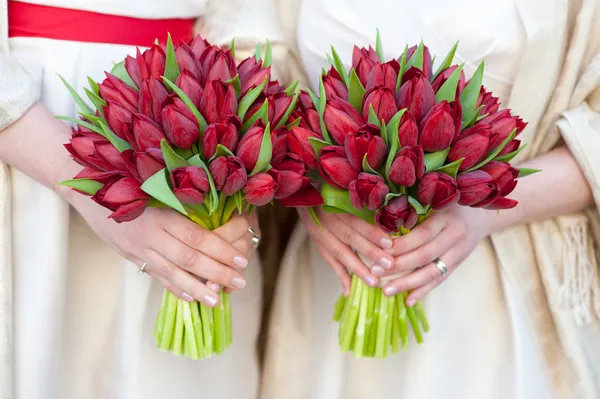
520, 317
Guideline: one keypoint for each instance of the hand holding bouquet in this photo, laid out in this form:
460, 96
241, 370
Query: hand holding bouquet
394, 142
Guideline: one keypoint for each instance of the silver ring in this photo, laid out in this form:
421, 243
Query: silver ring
141, 269
441, 266
255, 238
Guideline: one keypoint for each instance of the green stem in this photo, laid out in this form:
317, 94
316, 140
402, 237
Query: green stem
228, 318
422, 316
388, 325
198, 333
402, 322
228, 210
339, 308
190, 336
382, 327
160, 320
207, 328
378, 294
352, 317
178, 334
169, 325
395, 327
359, 347
412, 316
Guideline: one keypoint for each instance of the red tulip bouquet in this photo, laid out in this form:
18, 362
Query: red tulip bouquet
395, 142
185, 127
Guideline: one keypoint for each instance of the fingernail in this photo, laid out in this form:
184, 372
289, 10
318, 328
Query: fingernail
386, 243
187, 297
238, 282
240, 261
210, 300
385, 262
372, 281
389, 291
389, 251
214, 286
377, 270
410, 303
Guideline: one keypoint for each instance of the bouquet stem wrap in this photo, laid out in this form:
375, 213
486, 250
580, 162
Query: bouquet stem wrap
193, 329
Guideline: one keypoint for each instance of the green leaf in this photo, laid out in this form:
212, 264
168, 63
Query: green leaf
154, 203
339, 66
158, 187
318, 145
448, 90
87, 186
262, 113
322, 96
258, 52
268, 55
237, 85
435, 160
509, 157
250, 97
120, 72
239, 201
83, 123
291, 89
330, 61
171, 67
379, 47
470, 94
417, 205
92, 118
221, 151
172, 160
315, 217
356, 91
402, 67
394, 142
495, 153
97, 101
451, 169
265, 153
416, 60
320, 106
232, 47
185, 153
468, 123
331, 209
188, 103
94, 85
373, 118
116, 141
367, 168
390, 197
340, 199
78, 100
288, 112
383, 132
447, 61
523, 172
295, 123
213, 198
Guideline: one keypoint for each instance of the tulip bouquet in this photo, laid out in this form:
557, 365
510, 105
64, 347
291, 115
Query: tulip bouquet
394, 142
185, 127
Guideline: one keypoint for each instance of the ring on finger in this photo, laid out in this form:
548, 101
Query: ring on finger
255, 237
441, 266
142, 268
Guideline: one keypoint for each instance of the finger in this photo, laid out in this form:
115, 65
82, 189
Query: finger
209, 243
419, 236
234, 229
368, 230
244, 245
339, 251
182, 282
452, 260
344, 227
338, 268
214, 286
197, 262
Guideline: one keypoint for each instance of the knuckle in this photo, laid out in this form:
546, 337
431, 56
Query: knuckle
195, 235
166, 271
337, 253
188, 258
348, 235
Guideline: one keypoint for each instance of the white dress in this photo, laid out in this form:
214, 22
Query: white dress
478, 346
83, 317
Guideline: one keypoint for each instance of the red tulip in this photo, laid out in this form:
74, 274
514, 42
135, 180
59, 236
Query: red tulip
198, 45
186, 62
228, 174
477, 189
502, 203
438, 190
335, 167
152, 96
504, 174
441, 126
502, 124
396, 214
147, 134
115, 90
278, 104
218, 101
225, 134
383, 102
190, 85
512, 146
363, 61
147, 165
82, 147
289, 174
334, 85
249, 147
383, 75
443, 77
260, 189
155, 61
217, 64
368, 190
416, 94
305, 110
119, 120
299, 144
340, 119
408, 133
427, 61
489, 102
252, 73
190, 184
97, 175
365, 141
181, 127
408, 166
133, 70
112, 156
279, 138
124, 197
473, 145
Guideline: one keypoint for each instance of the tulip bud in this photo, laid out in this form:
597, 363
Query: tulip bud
502, 203
217, 64
502, 125
147, 134
335, 167
83, 150
198, 45
441, 126
124, 197
190, 184
122, 94
408, 166
133, 70
279, 138
155, 59
147, 165
383, 75
477, 189
112, 156
218, 101
368, 190
416, 94
189, 84
438, 190
340, 119
299, 144
427, 61
473, 145
363, 61
504, 174
512, 146
306, 111
182, 131
249, 147
489, 102
228, 174
396, 214
252, 73
365, 141
260, 189
219, 133
334, 85
119, 119
408, 133
289, 174
443, 77
152, 96
383, 102
185, 61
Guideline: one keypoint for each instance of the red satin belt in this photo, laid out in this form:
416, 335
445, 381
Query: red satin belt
32, 20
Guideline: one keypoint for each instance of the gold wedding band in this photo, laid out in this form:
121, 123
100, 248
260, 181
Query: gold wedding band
255, 238
141, 269
441, 266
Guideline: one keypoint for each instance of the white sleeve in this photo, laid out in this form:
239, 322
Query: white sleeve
18, 91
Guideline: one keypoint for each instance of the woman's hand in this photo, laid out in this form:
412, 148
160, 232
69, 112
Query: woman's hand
448, 236
343, 233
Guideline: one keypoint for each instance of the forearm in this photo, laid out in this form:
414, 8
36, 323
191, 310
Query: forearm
559, 189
